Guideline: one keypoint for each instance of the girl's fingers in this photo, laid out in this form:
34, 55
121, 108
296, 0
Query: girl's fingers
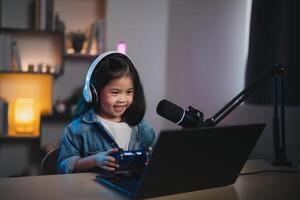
110, 159
111, 163
111, 151
107, 168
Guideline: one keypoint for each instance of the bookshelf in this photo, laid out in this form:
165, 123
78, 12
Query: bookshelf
47, 24
49, 47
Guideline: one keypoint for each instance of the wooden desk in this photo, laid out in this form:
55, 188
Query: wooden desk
271, 185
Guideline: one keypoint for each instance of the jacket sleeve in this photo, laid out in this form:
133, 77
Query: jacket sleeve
148, 135
70, 151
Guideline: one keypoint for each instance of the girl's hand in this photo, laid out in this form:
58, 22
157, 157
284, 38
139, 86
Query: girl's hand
105, 161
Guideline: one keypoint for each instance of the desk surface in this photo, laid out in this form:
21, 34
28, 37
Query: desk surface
270, 185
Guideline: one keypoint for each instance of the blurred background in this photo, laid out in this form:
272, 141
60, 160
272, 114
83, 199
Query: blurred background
192, 52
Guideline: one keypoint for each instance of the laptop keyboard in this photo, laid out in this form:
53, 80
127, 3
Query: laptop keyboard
126, 182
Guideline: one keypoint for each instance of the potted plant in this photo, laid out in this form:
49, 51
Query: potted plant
77, 39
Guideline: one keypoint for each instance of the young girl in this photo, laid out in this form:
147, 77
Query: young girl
108, 117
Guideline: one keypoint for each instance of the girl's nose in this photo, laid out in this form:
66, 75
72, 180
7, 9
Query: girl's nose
122, 98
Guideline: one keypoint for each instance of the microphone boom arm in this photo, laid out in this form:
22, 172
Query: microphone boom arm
274, 72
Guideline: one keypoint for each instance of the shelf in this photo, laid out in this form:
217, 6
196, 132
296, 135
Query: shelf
22, 72
21, 137
57, 118
23, 30
34, 50
80, 56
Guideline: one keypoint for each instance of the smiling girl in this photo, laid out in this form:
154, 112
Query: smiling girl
108, 117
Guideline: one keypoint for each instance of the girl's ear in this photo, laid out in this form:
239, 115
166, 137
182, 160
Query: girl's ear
94, 94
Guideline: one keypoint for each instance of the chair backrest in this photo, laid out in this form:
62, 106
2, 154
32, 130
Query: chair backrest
48, 164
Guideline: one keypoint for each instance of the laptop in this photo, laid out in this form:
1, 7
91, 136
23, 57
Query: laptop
187, 160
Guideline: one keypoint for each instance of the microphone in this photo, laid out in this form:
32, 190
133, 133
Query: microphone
184, 118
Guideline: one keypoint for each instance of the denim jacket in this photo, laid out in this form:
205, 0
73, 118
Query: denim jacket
86, 136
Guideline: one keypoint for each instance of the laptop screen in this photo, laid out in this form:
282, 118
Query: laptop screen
200, 158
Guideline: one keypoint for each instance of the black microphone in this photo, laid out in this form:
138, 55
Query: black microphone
181, 117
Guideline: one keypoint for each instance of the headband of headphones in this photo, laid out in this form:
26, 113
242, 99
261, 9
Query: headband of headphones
87, 91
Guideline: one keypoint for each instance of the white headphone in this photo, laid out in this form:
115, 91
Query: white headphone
89, 91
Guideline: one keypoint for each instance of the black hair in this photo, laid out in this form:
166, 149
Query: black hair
111, 67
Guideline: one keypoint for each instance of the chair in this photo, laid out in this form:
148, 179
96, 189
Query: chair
48, 164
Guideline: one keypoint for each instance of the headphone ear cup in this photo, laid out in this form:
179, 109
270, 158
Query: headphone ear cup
94, 94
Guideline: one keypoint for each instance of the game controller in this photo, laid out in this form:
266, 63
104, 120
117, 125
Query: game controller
134, 160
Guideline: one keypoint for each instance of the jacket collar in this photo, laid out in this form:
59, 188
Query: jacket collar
90, 116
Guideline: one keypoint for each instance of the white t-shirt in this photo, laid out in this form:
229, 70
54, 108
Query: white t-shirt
120, 131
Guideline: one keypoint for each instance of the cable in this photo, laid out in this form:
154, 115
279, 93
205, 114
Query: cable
269, 171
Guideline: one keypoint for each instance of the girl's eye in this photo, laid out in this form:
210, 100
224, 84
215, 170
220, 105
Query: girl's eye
115, 92
130, 92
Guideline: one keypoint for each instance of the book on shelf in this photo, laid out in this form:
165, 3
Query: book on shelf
49, 15
3, 116
44, 17
37, 14
97, 34
10, 58
1, 23
100, 35
5, 51
43, 14
16, 57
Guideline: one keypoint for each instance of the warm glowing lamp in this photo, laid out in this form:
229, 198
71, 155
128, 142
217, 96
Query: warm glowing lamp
29, 95
26, 116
